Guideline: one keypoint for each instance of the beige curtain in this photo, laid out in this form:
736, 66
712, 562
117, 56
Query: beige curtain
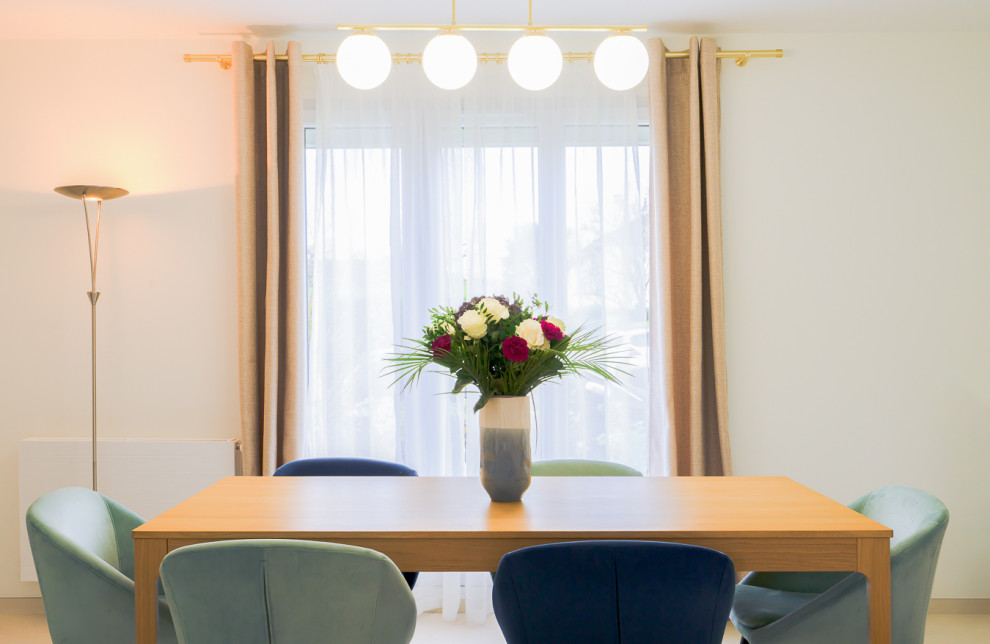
271, 303
686, 262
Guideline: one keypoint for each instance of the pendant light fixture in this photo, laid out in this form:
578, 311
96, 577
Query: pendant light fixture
535, 61
621, 62
363, 60
450, 60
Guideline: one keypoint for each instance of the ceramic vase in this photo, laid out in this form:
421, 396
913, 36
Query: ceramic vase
505, 448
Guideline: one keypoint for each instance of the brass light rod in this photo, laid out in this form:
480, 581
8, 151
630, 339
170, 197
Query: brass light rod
453, 25
457, 27
740, 57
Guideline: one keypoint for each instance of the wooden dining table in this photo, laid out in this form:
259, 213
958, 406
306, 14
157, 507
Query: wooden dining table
450, 524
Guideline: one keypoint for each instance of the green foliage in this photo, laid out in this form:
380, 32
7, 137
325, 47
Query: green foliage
484, 361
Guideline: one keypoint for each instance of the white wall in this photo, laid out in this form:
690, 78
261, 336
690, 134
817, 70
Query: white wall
855, 220
128, 114
856, 225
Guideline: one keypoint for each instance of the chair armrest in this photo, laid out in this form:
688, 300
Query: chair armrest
815, 621
124, 521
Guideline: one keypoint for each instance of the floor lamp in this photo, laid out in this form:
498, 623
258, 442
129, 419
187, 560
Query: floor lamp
92, 195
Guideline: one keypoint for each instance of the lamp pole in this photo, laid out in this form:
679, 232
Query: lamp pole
89, 195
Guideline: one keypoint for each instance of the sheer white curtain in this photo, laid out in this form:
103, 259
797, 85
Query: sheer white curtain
422, 197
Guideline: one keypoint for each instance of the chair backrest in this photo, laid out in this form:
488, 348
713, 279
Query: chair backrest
84, 556
919, 521
272, 591
343, 467
612, 592
82, 520
580, 467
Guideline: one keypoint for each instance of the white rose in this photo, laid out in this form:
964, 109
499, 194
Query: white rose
495, 309
473, 324
531, 331
557, 323
446, 327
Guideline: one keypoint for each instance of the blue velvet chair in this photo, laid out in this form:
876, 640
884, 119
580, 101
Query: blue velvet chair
581, 467
336, 466
832, 607
331, 466
280, 591
613, 592
84, 555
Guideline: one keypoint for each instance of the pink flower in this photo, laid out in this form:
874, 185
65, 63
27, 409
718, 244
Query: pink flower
515, 348
441, 346
550, 331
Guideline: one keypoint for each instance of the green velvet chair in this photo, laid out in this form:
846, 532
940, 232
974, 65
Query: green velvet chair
832, 607
579, 467
84, 555
281, 591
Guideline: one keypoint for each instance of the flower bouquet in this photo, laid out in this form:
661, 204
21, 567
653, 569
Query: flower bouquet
503, 348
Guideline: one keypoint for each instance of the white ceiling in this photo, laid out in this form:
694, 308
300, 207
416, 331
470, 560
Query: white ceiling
57, 19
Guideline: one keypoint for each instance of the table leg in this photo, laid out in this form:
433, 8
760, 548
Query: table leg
874, 562
148, 555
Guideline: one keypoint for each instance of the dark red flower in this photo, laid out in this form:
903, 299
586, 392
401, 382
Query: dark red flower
441, 346
550, 331
515, 348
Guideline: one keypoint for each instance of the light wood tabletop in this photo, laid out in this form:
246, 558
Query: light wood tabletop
449, 523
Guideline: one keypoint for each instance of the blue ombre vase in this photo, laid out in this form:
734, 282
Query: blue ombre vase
505, 452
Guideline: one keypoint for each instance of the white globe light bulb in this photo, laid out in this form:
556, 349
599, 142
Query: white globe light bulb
450, 61
364, 61
535, 61
621, 62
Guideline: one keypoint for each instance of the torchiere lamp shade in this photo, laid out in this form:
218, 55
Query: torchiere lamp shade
97, 192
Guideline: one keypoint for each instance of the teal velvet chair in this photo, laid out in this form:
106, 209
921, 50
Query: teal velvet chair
280, 591
580, 467
84, 555
832, 607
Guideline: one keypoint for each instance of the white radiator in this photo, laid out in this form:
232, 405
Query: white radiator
146, 476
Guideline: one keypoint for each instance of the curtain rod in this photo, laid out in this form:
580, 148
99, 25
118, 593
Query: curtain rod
740, 57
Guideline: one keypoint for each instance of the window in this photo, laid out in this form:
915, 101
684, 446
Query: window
418, 197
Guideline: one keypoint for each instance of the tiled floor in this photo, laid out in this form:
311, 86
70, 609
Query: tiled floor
431, 629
